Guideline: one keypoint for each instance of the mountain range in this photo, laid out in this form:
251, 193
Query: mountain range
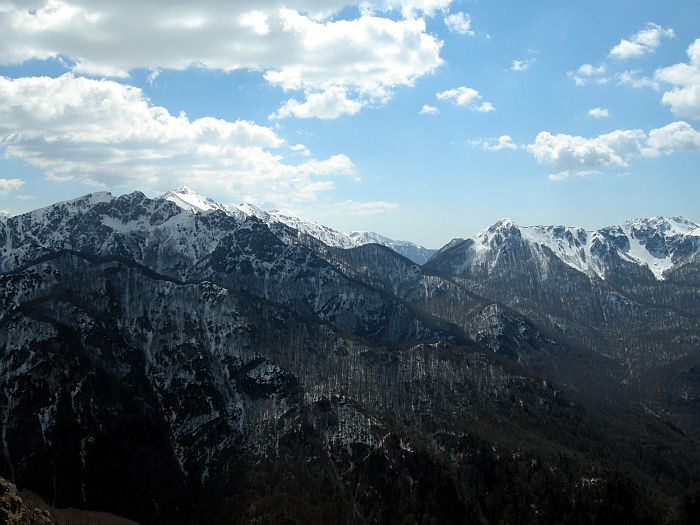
177, 360
192, 201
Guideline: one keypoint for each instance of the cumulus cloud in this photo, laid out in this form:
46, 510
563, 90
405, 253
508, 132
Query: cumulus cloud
684, 102
684, 99
644, 42
576, 156
7, 186
672, 137
429, 110
466, 97
328, 104
297, 47
598, 113
504, 142
105, 133
460, 23
589, 74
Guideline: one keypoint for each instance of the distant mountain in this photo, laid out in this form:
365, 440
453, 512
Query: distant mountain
629, 294
414, 252
176, 361
188, 199
658, 244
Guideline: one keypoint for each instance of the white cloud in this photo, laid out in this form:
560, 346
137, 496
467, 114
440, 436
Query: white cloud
635, 79
598, 113
408, 8
504, 142
589, 74
684, 99
7, 186
673, 137
429, 110
520, 65
571, 155
328, 104
684, 102
363, 209
105, 133
645, 41
576, 156
369, 55
466, 97
297, 47
460, 23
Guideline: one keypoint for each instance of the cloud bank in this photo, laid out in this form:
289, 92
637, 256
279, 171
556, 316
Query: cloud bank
296, 45
102, 132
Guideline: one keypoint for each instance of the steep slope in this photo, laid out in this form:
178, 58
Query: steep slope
657, 244
414, 252
189, 200
216, 247
281, 221
172, 403
600, 290
175, 366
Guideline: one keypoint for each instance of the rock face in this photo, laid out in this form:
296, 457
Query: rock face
175, 365
14, 512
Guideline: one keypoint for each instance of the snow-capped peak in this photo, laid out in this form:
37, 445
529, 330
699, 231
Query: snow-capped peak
4, 215
362, 237
191, 201
665, 225
504, 223
412, 251
656, 242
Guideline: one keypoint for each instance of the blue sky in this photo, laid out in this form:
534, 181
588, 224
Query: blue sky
420, 119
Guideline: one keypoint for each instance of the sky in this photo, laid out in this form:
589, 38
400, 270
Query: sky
423, 120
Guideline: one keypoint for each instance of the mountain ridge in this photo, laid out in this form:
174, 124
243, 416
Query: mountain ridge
657, 243
192, 201
175, 366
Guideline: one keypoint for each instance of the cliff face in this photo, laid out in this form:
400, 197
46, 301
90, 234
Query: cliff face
179, 367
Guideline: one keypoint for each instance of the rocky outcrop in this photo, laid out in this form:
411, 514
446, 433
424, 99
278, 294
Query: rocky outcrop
14, 512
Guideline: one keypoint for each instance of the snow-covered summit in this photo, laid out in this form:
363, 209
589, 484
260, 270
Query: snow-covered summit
4, 215
657, 243
191, 201
412, 251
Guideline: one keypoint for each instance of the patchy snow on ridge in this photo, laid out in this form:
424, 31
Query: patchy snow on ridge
657, 243
195, 203
412, 251
190, 200
323, 233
